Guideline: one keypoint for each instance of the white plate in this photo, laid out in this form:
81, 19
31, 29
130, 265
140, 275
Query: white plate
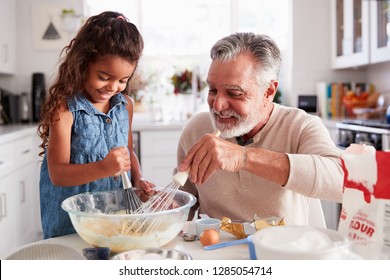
45, 251
152, 254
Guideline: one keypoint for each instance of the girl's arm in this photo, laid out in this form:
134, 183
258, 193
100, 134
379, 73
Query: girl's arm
62, 173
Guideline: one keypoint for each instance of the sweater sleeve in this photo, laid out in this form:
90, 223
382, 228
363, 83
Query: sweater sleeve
315, 170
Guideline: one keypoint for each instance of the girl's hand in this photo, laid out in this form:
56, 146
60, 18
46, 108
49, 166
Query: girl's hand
144, 184
146, 188
117, 161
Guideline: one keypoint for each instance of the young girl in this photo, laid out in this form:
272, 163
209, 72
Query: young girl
86, 119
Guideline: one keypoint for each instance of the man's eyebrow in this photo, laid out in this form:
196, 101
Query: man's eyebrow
232, 87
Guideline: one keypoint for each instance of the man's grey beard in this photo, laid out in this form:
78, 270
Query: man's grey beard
243, 126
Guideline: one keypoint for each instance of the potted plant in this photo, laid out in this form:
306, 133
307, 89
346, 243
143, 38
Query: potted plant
182, 82
136, 91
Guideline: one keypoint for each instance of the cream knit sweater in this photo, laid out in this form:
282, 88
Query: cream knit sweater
315, 170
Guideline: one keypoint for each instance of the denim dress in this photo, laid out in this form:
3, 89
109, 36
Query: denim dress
93, 135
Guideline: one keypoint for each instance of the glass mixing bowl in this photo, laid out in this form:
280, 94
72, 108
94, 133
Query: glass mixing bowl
100, 219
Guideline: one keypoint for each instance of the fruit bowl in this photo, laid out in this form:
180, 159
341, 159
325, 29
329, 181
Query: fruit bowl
100, 219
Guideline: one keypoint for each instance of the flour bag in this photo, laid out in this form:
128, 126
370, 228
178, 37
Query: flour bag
365, 212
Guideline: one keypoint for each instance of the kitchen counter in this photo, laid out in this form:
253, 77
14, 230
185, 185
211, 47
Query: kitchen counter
194, 248
331, 123
145, 122
156, 125
11, 131
141, 122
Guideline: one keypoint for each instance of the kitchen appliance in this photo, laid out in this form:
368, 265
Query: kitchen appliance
388, 115
3, 116
9, 107
308, 103
38, 94
370, 132
24, 108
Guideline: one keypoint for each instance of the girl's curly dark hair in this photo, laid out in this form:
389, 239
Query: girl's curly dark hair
109, 33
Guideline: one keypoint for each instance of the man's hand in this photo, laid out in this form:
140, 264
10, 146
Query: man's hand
210, 154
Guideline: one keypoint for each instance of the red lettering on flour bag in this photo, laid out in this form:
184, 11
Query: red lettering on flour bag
365, 212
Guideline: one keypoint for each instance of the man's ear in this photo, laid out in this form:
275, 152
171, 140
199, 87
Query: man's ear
271, 90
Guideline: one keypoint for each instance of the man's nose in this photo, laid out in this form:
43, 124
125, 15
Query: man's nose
220, 102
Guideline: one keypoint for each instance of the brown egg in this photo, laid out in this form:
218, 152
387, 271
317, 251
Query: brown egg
209, 237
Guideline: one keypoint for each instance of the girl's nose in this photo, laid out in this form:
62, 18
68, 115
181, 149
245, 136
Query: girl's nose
112, 86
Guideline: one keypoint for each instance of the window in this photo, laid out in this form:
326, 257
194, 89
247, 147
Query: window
176, 27
191, 27
266, 17
178, 34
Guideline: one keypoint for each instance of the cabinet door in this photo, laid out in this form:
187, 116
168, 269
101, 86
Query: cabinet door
159, 169
19, 192
380, 30
158, 155
7, 38
27, 227
18, 214
8, 216
350, 33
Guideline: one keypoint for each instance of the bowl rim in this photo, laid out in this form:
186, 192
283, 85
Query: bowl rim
151, 250
191, 202
331, 233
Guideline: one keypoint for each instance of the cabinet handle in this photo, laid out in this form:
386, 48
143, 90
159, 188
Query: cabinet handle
22, 186
3, 206
1, 209
1, 162
26, 151
5, 57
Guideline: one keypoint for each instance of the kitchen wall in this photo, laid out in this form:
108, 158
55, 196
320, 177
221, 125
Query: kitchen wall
379, 75
308, 61
29, 60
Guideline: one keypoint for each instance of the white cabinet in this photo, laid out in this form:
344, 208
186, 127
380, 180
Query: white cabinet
8, 195
7, 36
380, 31
26, 227
360, 32
19, 193
17, 225
159, 155
350, 33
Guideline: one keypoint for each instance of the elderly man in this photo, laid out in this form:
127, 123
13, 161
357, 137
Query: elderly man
269, 159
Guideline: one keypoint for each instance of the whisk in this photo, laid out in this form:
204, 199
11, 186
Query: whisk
132, 200
161, 201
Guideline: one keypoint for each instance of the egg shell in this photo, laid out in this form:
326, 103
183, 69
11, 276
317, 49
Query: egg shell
209, 237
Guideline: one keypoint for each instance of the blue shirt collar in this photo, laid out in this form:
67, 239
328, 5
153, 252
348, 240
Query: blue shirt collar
80, 102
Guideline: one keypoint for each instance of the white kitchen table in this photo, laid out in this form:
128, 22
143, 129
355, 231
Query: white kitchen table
194, 248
